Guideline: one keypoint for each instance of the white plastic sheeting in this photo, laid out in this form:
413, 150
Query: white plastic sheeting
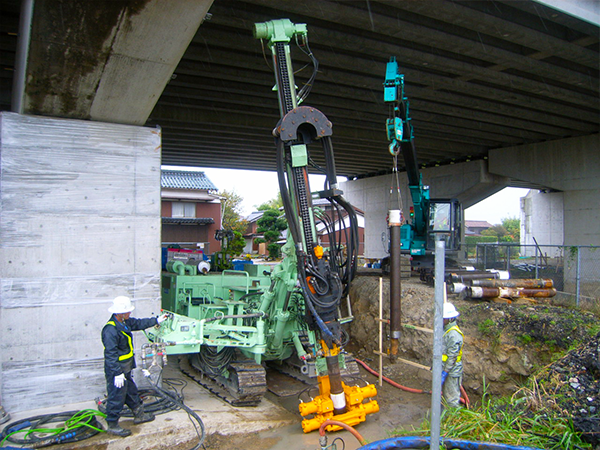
79, 225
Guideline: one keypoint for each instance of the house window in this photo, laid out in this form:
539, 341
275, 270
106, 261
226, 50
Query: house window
184, 209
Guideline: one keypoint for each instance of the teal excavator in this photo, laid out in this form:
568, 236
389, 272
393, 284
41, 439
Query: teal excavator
428, 217
230, 324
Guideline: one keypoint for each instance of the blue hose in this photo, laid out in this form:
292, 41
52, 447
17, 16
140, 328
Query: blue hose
415, 442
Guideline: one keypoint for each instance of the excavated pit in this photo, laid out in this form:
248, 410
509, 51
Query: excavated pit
505, 344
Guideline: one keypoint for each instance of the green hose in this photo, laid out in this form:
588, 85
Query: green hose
77, 426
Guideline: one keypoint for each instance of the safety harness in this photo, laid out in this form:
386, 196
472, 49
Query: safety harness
126, 355
459, 357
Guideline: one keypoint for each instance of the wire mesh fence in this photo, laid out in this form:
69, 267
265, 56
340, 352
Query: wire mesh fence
575, 270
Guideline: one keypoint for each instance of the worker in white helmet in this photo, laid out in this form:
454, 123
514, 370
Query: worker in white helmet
452, 366
119, 361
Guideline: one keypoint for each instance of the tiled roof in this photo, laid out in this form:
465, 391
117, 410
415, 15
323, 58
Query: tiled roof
187, 221
182, 179
478, 224
254, 216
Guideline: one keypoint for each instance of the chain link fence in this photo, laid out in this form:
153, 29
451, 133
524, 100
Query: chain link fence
575, 270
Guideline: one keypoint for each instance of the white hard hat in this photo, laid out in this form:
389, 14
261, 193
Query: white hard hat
450, 311
121, 305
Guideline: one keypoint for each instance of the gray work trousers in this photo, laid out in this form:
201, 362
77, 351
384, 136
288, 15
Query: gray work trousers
451, 391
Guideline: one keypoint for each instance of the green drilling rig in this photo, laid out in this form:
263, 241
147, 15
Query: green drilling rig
230, 324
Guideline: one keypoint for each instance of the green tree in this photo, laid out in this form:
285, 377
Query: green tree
513, 228
274, 203
231, 207
236, 246
271, 224
497, 231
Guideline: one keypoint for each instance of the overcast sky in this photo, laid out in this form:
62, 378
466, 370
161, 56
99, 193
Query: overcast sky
257, 187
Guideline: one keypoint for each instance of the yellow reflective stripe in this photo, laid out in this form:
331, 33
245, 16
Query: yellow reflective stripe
127, 355
459, 357
455, 327
130, 354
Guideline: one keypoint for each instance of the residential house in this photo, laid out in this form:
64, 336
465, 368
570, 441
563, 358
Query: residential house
340, 223
190, 210
475, 227
251, 232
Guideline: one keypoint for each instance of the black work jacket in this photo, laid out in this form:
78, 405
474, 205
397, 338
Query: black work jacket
118, 343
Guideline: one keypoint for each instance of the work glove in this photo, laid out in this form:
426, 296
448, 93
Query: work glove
444, 376
160, 319
146, 372
120, 381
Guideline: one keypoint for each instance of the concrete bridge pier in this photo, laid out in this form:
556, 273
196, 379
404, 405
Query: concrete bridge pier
570, 166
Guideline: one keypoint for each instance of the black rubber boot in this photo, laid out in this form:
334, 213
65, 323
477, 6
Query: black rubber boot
115, 428
140, 416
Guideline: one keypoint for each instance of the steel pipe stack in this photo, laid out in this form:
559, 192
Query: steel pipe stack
532, 288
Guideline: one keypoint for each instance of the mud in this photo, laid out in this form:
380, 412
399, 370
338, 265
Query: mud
504, 345
398, 409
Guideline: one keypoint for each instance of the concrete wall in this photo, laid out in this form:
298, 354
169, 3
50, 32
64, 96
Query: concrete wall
80, 224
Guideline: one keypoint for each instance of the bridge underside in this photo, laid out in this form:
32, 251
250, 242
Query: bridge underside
480, 75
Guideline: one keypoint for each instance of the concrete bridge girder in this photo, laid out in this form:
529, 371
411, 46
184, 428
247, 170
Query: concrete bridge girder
469, 182
110, 61
563, 165
569, 165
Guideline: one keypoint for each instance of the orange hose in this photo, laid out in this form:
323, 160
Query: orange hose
465, 398
393, 383
346, 427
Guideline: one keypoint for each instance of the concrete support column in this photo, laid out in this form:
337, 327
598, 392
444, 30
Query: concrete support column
79, 225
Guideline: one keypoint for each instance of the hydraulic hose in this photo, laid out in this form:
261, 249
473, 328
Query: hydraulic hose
345, 426
393, 383
285, 193
77, 426
158, 406
168, 396
464, 399
413, 442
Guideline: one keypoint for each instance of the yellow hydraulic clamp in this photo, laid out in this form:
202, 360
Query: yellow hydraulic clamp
322, 406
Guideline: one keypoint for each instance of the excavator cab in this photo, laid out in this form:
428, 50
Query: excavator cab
445, 220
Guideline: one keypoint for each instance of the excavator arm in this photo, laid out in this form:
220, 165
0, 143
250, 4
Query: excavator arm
428, 217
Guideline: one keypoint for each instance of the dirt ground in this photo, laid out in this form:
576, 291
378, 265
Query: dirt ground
504, 345
397, 409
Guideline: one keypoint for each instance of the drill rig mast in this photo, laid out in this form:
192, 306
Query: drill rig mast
323, 280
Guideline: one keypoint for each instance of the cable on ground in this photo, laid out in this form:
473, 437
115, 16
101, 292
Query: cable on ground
393, 383
464, 399
159, 405
168, 396
39, 432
